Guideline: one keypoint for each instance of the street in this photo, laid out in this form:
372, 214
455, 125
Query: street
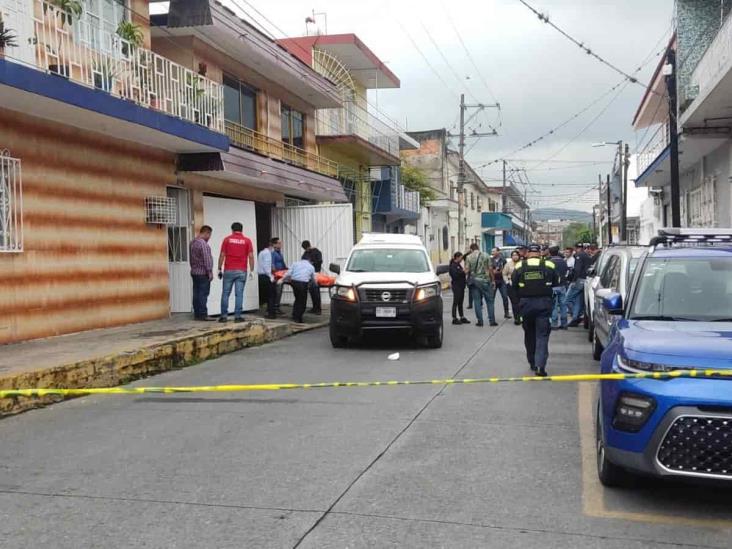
508, 465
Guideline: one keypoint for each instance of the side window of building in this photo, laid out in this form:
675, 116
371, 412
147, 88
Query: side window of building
98, 24
240, 103
11, 200
607, 272
293, 126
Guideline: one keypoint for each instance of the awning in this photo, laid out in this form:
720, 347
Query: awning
510, 240
266, 173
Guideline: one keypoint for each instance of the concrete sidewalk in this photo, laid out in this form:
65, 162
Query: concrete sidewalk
114, 356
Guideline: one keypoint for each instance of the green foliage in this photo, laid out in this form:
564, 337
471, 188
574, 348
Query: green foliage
415, 179
68, 9
7, 37
577, 232
127, 30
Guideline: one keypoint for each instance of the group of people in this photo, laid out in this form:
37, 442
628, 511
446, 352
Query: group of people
236, 265
539, 282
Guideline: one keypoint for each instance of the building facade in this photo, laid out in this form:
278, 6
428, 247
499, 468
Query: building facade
119, 145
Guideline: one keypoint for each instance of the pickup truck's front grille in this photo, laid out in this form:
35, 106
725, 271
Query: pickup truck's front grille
698, 445
385, 295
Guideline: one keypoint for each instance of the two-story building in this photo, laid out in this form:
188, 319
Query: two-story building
120, 139
510, 224
703, 78
354, 134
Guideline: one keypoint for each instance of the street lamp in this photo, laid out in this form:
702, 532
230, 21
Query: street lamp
624, 155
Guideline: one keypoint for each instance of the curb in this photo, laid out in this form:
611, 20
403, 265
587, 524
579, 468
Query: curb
127, 366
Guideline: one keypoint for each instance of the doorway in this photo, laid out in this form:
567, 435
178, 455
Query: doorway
179, 276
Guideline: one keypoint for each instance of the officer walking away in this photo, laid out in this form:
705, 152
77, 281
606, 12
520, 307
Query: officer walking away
315, 257
300, 275
559, 308
497, 264
457, 277
534, 279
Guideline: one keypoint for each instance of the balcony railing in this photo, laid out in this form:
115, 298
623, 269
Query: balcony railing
78, 48
404, 199
251, 140
655, 145
352, 119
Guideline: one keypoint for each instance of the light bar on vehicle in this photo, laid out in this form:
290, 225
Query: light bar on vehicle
670, 236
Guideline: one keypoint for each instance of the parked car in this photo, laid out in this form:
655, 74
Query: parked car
593, 277
617, 271
678, 316
387, 283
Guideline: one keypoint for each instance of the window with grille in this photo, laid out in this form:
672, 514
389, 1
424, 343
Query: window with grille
11, 204
98, 23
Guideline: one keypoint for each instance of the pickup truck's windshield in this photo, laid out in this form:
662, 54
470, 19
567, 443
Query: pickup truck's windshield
684, 289
386, 260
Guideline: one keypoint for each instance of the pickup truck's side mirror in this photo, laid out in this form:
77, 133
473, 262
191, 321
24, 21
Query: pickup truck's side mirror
335, 268
442, 269
612, 301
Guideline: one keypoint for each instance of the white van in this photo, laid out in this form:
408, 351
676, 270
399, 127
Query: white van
387, 283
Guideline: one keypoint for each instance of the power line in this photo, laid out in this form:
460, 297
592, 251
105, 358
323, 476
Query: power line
545, 18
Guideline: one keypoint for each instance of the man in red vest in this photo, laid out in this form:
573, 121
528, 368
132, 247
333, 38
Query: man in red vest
236, 250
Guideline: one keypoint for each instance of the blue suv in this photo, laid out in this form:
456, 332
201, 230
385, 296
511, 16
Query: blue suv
678, 316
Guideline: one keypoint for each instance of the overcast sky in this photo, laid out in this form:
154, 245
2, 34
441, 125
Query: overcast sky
537, 75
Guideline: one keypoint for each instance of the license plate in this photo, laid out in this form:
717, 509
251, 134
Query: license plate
386, 312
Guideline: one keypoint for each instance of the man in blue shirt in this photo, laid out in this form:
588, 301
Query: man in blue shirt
300, 275
278, 264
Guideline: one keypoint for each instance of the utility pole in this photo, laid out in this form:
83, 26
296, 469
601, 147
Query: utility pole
461, 150
609, 212
625, 162
670, 72
504, 202
600, 208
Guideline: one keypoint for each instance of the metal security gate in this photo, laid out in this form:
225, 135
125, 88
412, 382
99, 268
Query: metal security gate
11, 204
179, 237
328, 227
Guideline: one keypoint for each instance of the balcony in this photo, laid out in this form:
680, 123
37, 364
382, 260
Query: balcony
359, 133
655, 147
250, 140
710, 84
391, 198
85, 65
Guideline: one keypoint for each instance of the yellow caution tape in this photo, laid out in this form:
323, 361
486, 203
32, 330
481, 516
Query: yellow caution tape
713, 374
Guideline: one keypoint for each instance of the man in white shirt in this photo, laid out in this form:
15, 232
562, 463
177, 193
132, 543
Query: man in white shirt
300, 275
267, 286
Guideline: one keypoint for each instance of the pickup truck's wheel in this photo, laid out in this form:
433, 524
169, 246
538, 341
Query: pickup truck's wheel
596, 346
610, 475
434, 340
338, 341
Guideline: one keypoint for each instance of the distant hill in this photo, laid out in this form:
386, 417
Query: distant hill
545, 214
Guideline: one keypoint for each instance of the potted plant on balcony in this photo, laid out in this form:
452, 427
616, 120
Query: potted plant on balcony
66, 11
132, 35
7, 38
104, 73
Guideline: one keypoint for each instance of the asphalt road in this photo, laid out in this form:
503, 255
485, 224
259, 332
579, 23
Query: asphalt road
410, 466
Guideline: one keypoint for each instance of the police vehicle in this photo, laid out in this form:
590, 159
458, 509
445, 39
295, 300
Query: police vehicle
387, 283
678, 315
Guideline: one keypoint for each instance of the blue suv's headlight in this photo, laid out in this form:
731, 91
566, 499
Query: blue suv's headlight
636, 366
632, 411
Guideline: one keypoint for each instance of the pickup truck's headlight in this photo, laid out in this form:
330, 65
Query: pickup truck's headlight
637, 366
426, 292
346, 292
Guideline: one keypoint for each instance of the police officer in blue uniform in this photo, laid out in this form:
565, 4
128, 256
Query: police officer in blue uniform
533, 280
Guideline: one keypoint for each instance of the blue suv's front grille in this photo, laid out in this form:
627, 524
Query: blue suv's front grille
698, 445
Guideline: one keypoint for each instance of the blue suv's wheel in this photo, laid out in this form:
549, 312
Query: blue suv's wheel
610, 475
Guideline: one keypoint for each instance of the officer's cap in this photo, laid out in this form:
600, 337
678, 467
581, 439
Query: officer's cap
534, 248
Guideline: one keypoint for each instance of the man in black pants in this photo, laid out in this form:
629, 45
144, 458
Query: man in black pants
300, 275
457, 276
315, 257
534, 279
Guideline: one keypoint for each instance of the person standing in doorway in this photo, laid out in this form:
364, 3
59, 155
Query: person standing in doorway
508, 270
236, 250
559, 307
457, 278
278, 265
534, 279
315, 257
265, 275
497, 265
300, 275
480, 280
201, 260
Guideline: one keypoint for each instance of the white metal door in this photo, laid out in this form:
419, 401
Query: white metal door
219, 214
179, 237
328, 227
18, 16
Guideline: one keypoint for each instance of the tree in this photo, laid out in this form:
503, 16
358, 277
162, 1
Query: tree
577, 232
415, 179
